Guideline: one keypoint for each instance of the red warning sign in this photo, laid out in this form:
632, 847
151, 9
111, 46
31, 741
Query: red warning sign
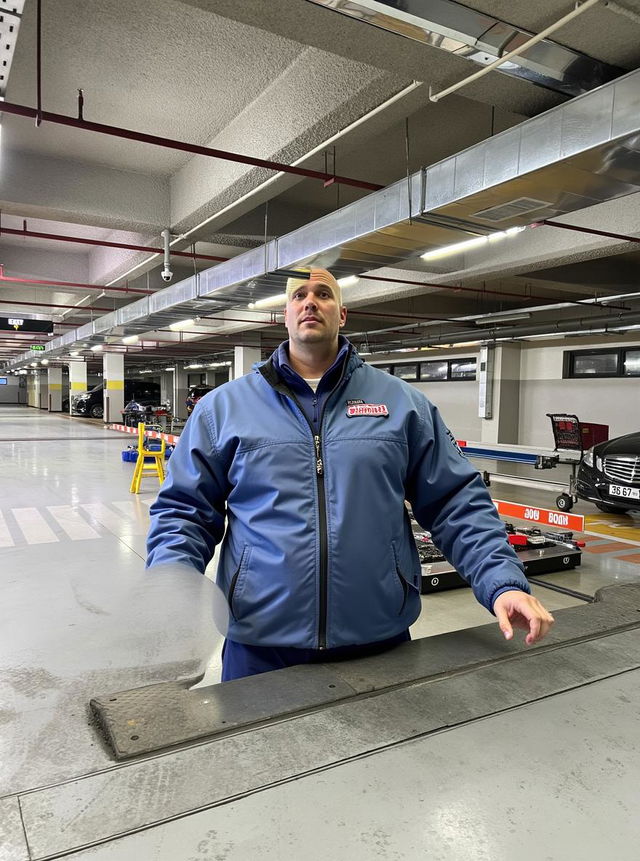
541, 516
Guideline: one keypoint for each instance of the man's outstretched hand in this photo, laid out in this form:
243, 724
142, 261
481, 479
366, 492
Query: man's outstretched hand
516, 609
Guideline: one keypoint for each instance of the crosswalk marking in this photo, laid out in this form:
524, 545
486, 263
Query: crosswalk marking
114, 522
75, 526
5, 536
33, 526
134, 512
20, 526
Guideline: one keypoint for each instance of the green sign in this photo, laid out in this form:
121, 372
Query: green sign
38, 347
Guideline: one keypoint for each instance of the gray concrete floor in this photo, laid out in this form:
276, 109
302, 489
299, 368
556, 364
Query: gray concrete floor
76, 619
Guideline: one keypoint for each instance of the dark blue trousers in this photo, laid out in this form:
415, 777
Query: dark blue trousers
239, 660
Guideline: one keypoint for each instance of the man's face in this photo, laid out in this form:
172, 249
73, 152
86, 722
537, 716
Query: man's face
313, 314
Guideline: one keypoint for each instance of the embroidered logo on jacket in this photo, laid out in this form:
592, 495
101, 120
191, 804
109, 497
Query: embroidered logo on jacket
362, 409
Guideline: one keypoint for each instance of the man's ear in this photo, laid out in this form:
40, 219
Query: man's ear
343, 316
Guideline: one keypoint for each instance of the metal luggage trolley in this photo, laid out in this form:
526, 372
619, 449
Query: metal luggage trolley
567, 435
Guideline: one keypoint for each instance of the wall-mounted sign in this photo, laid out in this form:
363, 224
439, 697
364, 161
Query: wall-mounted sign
23, 324
37, 347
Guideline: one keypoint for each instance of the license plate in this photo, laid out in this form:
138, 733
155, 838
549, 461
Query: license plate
626, 492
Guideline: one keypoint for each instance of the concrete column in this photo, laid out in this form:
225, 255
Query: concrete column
33, 391
166, 387
503, 426
244, 357
54, 378
113, 395
77, 379
180, 388
40, 390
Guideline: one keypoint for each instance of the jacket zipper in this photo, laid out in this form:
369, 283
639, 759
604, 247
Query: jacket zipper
322, 502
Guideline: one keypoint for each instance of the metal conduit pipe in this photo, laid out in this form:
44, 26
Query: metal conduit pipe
60, 237
183, 146
480, 290
424, 321
608, 323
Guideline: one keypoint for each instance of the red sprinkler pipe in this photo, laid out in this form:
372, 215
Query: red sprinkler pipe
606, 233
59, 237
456, 287
50, 283
183, 146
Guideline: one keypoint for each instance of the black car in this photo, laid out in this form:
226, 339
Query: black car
609, 474
194, 394
91, 403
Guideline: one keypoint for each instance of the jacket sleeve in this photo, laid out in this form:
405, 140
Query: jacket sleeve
188, 517
450, 500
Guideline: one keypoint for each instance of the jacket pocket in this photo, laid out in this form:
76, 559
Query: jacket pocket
236, 584
405, 584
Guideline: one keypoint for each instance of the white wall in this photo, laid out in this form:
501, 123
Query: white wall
613, 401
457, 401
9, 394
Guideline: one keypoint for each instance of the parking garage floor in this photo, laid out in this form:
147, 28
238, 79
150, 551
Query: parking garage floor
72, 547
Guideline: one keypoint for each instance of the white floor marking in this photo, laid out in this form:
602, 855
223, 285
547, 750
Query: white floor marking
133, 511
72, 522
5, 536
116, 523
34, 527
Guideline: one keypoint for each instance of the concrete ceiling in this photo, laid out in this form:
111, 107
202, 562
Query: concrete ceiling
286, 81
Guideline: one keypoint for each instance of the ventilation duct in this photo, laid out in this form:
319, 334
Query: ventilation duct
574, 156
482, 38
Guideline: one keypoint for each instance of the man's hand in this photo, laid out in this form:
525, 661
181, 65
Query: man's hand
516, 609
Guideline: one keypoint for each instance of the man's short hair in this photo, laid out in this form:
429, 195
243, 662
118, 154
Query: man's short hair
323, 275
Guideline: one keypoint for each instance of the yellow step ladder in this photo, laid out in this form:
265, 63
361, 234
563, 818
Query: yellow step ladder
142, 467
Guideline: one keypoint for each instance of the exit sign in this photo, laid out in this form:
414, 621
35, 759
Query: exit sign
38, 347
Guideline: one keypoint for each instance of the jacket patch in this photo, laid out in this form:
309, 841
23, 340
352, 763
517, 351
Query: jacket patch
362, 409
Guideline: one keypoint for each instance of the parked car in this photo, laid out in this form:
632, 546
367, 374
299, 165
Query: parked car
194, 394
609, 474
91, 403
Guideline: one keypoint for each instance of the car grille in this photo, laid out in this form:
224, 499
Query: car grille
622, 468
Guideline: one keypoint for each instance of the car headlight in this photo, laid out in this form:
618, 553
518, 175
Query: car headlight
588, 457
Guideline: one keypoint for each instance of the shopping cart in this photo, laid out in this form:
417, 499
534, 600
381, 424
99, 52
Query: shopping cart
566, 432
570, 434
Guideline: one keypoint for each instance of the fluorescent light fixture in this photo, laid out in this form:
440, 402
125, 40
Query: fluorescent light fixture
146, 371
34, 364
193, 367
74, 353
168, 369
468, 244
182, 324
131, 339
96, 348
499, 317
269, 302
348, 281
219, 365
44, 361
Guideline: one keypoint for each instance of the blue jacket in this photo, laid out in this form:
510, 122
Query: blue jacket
318, 551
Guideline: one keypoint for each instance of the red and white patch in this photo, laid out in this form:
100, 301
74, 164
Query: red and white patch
367, 410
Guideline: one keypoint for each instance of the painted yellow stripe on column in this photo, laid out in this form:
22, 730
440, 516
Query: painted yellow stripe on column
79, 387
55, 387
115, 384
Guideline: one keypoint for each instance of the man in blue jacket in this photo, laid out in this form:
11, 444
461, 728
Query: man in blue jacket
308, 461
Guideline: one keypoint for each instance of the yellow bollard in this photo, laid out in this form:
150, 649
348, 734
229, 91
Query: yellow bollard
156, 467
